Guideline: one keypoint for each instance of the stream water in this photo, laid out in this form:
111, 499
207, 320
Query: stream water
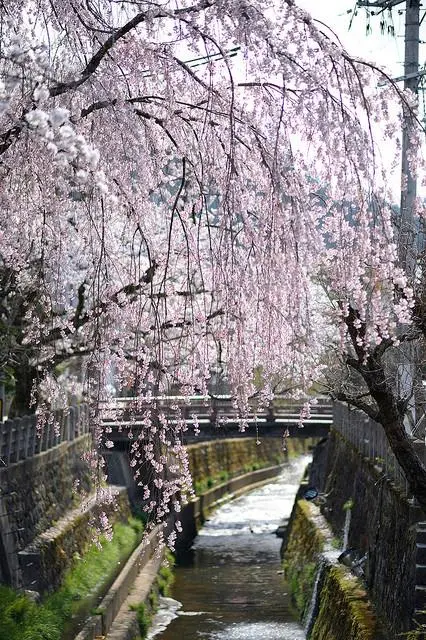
230, 585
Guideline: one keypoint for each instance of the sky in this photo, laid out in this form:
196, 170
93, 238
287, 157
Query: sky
384, 50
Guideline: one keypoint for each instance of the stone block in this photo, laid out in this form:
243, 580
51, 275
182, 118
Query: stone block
420, 598
30, 565
420, 553
421, 574
421, 533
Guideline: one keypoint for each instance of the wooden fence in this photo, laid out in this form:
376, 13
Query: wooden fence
22, 438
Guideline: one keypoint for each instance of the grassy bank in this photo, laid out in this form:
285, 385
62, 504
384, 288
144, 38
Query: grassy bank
88, 578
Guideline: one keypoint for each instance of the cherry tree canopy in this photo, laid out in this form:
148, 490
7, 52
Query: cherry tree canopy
166, 203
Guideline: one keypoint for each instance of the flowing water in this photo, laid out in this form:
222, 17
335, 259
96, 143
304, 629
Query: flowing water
230, 586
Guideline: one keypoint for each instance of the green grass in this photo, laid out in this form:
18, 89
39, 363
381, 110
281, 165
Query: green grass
208, 482
22, 619
144, 618
93, 572
165, 576
203, 485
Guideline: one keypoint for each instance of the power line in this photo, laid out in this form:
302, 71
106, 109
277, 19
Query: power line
383, 5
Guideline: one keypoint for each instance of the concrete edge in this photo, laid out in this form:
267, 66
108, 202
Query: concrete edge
126, 626
241, 484
117, 594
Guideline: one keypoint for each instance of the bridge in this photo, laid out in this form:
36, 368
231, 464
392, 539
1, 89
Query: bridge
214, 416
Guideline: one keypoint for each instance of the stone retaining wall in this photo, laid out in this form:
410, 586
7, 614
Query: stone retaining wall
239, 456
333, 603
382, 524
45, 561
37, 492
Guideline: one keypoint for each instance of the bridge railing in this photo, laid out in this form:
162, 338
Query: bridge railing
22, 438
369, 439
213, 407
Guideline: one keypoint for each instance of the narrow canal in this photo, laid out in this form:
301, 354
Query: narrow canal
230, 587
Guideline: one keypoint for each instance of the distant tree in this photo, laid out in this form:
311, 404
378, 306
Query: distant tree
156, 210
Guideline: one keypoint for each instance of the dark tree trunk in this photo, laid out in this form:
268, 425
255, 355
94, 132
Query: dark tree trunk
390, 409
391, 417
25, 376
413, 468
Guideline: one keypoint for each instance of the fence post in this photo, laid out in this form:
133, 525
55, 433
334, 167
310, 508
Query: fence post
55, 436
72, 417
25, 432
11, 440
64, 425
45, 435
2, 396
32, 440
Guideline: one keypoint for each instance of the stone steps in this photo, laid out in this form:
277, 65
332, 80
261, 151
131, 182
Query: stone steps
420, 575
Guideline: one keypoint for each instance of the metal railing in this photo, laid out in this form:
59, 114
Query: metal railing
21, 438
369, 439
212, 406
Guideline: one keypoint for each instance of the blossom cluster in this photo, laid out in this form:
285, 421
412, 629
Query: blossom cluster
167, 208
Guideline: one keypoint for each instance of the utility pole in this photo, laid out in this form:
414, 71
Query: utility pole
407, 225
407, 233
2, 396
407, 240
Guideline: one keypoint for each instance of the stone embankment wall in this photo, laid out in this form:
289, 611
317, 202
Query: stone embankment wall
38, 491
369, 514
46, 517
35, 493
382, 525
333, 603
46, 559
